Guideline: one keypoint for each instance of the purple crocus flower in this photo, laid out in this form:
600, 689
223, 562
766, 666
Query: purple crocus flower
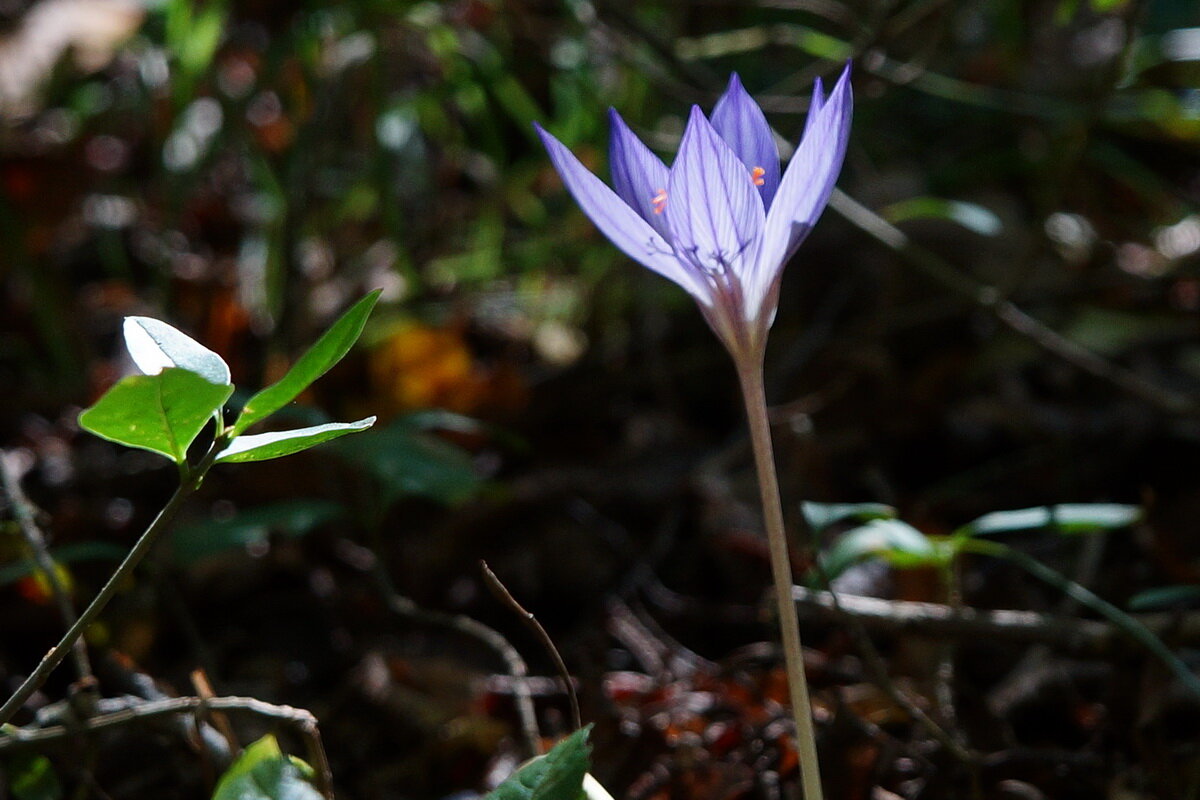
722, 221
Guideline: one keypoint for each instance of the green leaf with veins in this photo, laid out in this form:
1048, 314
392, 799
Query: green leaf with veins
162, 413
319, 359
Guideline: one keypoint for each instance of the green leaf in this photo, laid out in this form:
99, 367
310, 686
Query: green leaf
292, 518
407, 461
1113, 333
263, 772
822, 515
971, 216
318, 360
161, 413
263, 446
1165, 598
79, 551
1066, 518
897, 542
558, 775
32, 778
155, 345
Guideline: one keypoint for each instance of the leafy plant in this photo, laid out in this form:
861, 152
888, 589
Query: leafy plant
165, 411
881, 535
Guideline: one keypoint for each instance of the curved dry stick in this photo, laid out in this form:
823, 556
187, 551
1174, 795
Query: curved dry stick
301, 719
505, 596
475, 629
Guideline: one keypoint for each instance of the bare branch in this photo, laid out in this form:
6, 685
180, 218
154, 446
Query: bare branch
299, 719
1024, 627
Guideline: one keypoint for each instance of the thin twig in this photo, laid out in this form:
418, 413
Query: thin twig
838, 605
517, 669
505, 596
57, 653
302, 720
908, 617
23, 511
220, 722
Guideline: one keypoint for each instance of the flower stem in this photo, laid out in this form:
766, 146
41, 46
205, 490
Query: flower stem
754, 397
190, 481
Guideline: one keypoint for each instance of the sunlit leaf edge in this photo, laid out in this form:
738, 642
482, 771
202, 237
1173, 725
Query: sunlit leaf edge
276, 444
315, 362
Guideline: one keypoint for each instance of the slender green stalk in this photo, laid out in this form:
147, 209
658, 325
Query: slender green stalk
191, 480
1131, 626
754, 397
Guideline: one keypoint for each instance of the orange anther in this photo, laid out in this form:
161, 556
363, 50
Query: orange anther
659, 201
756, 175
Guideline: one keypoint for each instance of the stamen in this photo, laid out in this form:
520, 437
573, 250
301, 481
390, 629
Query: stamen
659, 201
756, 175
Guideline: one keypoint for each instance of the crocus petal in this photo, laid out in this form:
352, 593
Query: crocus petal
814, 104
638, 175
715, 213
620, 223
740, 122
804, 189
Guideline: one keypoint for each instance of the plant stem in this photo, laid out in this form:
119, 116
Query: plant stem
754, 397
191, 480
